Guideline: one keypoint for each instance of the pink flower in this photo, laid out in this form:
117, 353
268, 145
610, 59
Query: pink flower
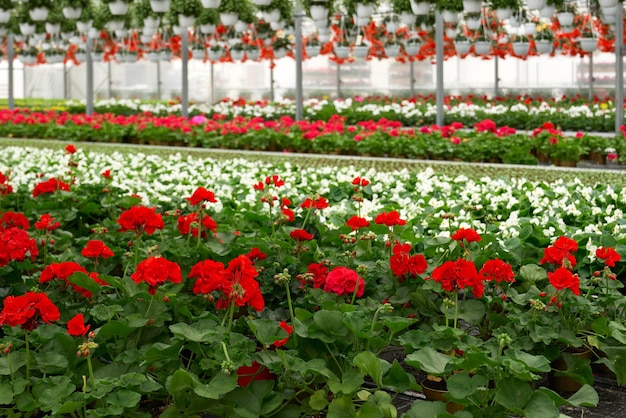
342, 281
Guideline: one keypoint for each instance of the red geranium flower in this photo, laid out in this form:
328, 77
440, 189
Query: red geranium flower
402, 264
27, 311
276, 180
210, 277
16, 244
96, 249
200, 195
76, 326
64, 270
390, 219
106, 174
50, 186
608, 255
70, 149
319, 272
459, 274
300, 235
356, 222
5, 187
358, 181
155, 271
288, 329
248, 374
342, 281
140, 219
466, 234
319, 203
12, 219
46, 222
498, 271
562, 278
288, 214
256, 254
560, 253
189, 224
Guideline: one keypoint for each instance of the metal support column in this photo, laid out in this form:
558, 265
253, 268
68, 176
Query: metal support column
412, 76
89, 61
65, 92
158, 65
11, 55
439, 63
185, 71
496, 85
619, 68
272, 80
591, 77
299, 95
212, 83
110, 81
339, 94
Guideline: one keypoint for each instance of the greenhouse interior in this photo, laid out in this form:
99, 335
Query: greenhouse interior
312, 208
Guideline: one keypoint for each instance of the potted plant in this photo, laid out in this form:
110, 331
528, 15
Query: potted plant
504, 8
5, 10
360, 8
318, 10
144, 16
462, 44
117, 7
280, 46
543, 39
229, 11
38, 9
208, 21
215, 52
72, 8
520, 45
185, 11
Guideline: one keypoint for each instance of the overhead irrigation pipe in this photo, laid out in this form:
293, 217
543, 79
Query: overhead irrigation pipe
299, 47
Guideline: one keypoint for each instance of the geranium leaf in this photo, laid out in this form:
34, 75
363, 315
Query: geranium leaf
372, 365
429, 360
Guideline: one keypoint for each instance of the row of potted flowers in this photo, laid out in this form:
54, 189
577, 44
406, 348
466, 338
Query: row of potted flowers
290, 288
486, 142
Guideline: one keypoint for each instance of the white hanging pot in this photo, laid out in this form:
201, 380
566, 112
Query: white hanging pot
407, 18
608, 19
54, 59
472, 23
361, 21
323, 37
66, 36
607, 3
4, 31
277, 25
364, 10
392, 27
321, 23
462, 47
165, 55
148, 31
482, 47
84, 26
153, 56
186, 21
451, 32
547, 11
420, 7
160, 6
80, 56
610, 10
229, 19
272, 16
253, 55
118, 8
515, 21
565, 18
208, 29
530, 28
536, 4
145, 39
241, 26
543, 46
472, 6
280, 53
121, 33
198, 54
237, 55
97, 56
504, 13
262, 2
38, 14
27, 29
342, 51
53, 28
5, 15
312, 50
27, 59
449, 16
211, 4
392, 51
412, 49
360, 51
93, 33
37, 37
178, 30
588, 44
521, 48
114, 25
72, 12
151, 22
214, 55
319, 12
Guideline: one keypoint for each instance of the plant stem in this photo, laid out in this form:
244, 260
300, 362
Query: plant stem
10, 366
334, 358
306, 218
90, 368
456, 308
27, 356
230, 316
291, 312
356, 289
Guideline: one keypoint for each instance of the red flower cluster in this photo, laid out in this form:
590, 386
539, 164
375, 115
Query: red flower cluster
234, 283
106, 174
76, 326
96, 249
256, 254
27, 311
498, 271
12, 219
275, 180
189, 224
300, 235
50, 186
466, 234
403, 264
5, 187
155, 271
64, 270
16, 244
356, 222
358, 181
317, 272
390, 219
459, 274
560, 253
342, 281
46, 222
608, 255
200, 195
140, 219
70, 149
319, 203
288, 329
562, 278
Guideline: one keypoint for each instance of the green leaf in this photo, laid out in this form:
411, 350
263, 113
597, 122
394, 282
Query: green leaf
6, 393
18, 360
513, 394
51, 362
397, 323
429, 360
200, 332
462, 385
532, 273
84, 281
372, 365
218, 386
330, 321
267, 331
124, 398
398, 379
68, 407
472, 311
585, 396
426, 409
351, 380
576, 367
116, 329
541, 406
319, 400
341, 408
534, 363
103, 312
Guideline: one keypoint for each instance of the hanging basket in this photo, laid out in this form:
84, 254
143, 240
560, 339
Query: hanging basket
543, 46
607, 3
160, 6
118, 8
565, 18
214, 55
280, 53
5, 15
277, 25
472, 23
38, 14
420, 7
84, 26
482, 47
27, 59
165, 55
449, 16
186, 21
588, 44
319, 12
360, 51
407, 18
198, 54
472, 6
547, 11
536, 4
253, 55
521, 48
211, 4
229, 19
272, 16
27, 29
262, 2
153, 56
462, 47
312, 50
208, 29
392, 51
364, 10
503, 14
342, 52
97, 56
530, 29
412, 49
114, 25
151, 22
72, 12
53, 28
